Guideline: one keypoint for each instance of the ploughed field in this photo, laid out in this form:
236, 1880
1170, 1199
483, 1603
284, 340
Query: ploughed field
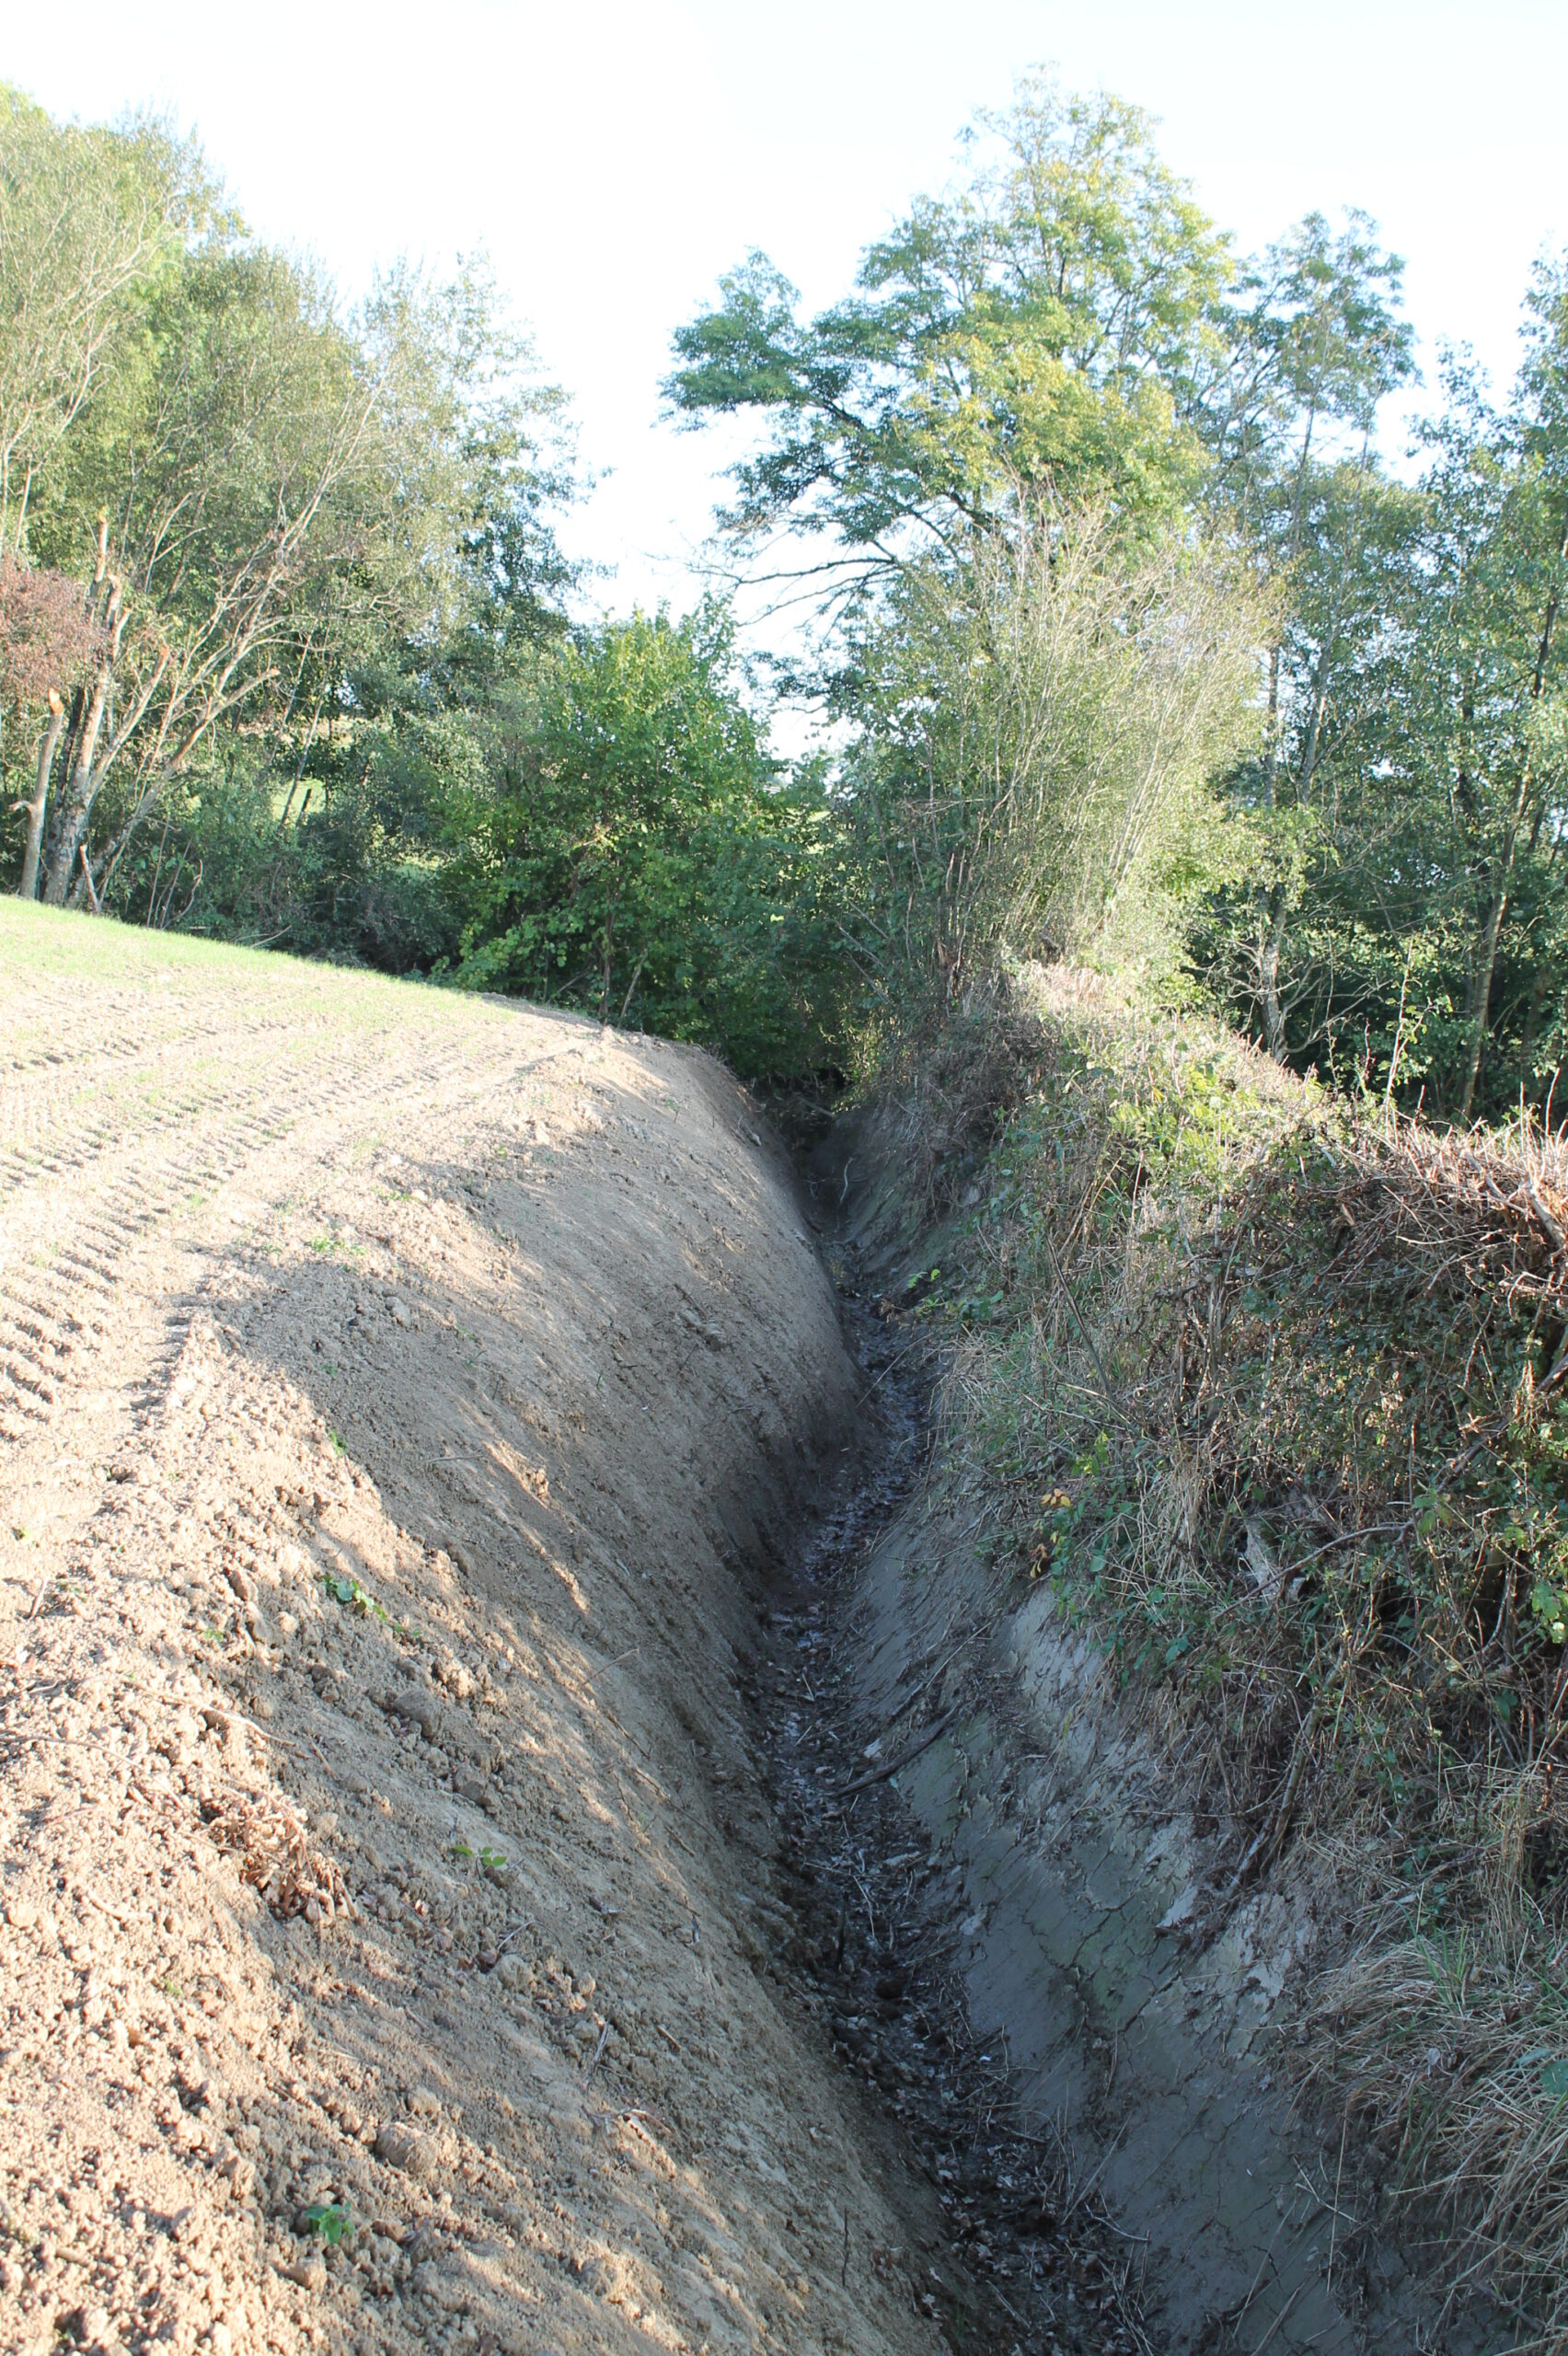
406, 1403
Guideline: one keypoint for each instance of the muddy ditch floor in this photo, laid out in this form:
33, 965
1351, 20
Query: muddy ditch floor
871, 1919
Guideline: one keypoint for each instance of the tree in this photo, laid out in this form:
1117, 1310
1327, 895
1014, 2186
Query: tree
255, 415
287, 497
47, 636
1413, 808
1036, 780
631, 848
1041, 333
83, 223
1314, 344
1492, 650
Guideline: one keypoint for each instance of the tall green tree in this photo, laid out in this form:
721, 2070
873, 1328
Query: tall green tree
1315, 343
1036, 778
277, 512
1042, 332
1421, 768
87, 218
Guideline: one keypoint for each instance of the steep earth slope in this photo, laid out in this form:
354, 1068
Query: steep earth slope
402, 1400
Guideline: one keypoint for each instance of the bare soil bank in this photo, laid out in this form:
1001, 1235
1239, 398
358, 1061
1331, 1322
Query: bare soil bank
401, 1399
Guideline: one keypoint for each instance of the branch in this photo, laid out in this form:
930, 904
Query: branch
1548, 1225
903, 1758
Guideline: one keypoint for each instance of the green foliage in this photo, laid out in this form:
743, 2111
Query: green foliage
1274, 1387
352, 1593
1407, 929
327, 2221
1064, 334
492, 1862
1312, 340
633, 850
297, 521
329, 696
601, 827
1034, 779
1043, 331
90, 226
1100, 528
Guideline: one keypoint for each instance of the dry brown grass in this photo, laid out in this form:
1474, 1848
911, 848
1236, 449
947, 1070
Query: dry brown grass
957, 1076
1448, 2049
271, 1841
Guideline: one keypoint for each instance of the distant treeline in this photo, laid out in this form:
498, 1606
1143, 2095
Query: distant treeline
1137, 646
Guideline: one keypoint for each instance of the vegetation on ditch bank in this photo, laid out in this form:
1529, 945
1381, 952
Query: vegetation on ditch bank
1274, 1383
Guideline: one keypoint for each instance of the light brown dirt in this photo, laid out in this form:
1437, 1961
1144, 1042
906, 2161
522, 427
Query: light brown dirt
400, 1400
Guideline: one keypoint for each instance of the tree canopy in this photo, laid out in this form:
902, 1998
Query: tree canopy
1047, 329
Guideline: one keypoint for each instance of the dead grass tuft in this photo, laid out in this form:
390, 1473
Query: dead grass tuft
1448, 2049
272, 1843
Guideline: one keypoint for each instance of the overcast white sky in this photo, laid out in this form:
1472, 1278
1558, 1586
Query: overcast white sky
613, 158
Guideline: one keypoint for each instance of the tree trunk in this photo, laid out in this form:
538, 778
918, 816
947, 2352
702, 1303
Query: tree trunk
72, 730
1273, 1013
1279, 898
1320, 705
1486, 958
78, 801
609, 953
1271, 758
1481, 974
28, 889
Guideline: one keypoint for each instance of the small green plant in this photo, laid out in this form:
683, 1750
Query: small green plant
328, 1246
330, 2221
1549, 1605
487, 1859
350, 1591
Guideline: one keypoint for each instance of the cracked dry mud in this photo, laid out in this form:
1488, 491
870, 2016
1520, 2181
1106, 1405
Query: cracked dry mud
408, 1405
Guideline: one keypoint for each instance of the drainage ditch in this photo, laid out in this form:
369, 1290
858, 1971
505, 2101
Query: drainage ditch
869, 1924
